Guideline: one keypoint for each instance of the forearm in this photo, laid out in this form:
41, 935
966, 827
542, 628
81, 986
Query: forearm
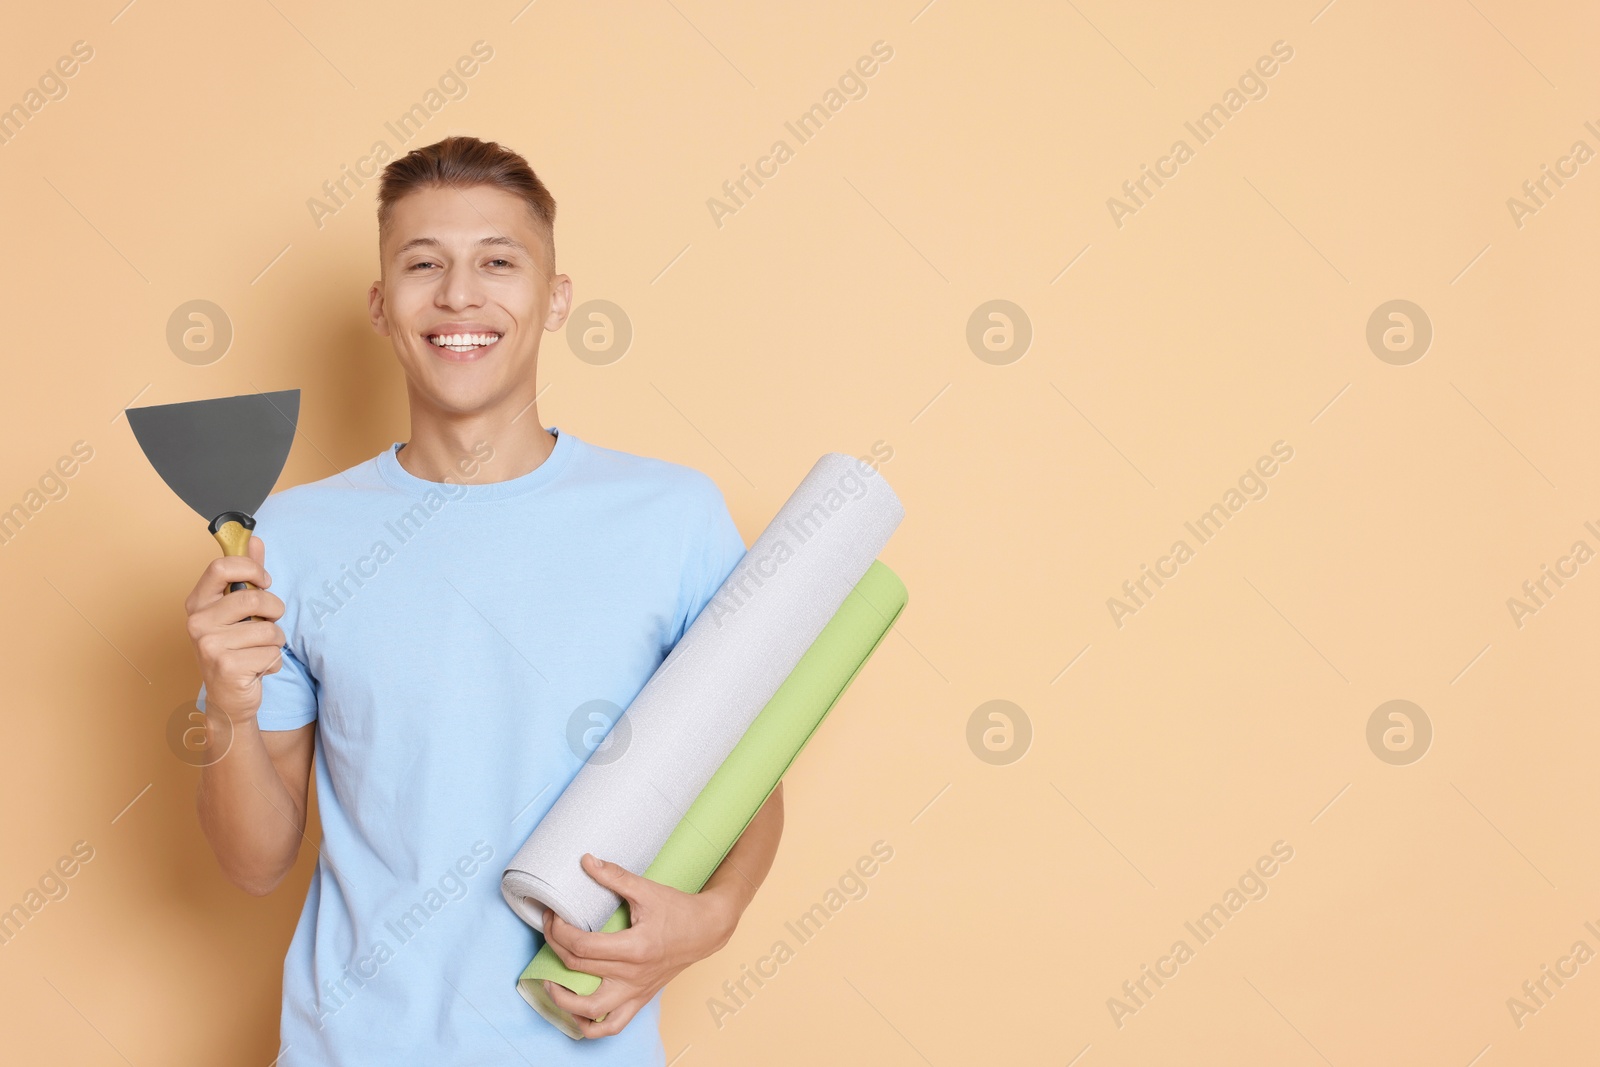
252, 820
745, 867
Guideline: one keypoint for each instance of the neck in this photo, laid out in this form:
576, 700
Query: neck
475, 449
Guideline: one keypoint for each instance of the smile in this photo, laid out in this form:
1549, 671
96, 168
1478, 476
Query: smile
469, 345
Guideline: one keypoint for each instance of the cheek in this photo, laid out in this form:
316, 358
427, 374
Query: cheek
517, 302
405, 306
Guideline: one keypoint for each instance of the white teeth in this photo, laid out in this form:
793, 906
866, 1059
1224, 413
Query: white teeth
461, 342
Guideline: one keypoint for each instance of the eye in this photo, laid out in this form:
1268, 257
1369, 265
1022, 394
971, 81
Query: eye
424, 263
506, 262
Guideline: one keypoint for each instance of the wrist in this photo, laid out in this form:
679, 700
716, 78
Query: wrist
220, 715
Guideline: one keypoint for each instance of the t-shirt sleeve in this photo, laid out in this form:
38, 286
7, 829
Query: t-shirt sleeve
288, 697
712, 555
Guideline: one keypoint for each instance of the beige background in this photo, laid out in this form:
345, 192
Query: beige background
830, 313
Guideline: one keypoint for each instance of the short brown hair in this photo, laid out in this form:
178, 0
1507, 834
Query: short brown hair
461, 162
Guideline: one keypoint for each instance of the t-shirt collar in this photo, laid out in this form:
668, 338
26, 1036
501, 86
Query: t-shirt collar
400, 478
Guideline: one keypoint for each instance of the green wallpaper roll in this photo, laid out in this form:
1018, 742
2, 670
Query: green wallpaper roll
750, 773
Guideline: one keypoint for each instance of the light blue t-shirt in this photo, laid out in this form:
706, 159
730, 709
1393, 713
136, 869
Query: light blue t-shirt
461, 648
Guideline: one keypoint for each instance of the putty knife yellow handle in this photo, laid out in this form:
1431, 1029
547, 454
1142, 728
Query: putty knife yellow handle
232, 531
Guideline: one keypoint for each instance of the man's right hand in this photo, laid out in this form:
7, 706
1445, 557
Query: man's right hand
233, 651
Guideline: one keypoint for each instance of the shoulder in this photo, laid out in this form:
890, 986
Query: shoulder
294, 519
313, 499
660, 484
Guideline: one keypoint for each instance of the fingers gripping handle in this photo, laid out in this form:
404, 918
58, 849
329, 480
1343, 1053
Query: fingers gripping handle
232, 531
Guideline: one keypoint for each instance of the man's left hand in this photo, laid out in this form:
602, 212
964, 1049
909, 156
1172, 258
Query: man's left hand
669, 931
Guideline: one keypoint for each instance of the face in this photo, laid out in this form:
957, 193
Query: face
467, 267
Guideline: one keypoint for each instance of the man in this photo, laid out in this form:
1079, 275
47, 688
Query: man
445, 625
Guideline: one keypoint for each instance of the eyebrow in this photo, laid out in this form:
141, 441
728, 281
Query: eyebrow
433, 242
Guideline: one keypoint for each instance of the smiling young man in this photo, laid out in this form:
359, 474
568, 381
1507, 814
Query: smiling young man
437, 624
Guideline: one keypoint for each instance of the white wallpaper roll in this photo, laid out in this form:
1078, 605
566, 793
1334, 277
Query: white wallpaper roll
705, 694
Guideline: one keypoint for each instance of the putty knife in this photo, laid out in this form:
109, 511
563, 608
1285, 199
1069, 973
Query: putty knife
222, 457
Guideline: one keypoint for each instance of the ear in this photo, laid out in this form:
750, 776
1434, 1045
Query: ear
560, 303
375, 313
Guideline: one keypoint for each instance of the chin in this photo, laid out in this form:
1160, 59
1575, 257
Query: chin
464, 389
453, 398
462, 404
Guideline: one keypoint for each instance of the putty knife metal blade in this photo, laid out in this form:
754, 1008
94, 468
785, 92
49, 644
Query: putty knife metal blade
220, 455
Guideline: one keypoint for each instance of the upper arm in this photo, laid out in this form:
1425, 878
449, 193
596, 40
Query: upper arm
290, 752
714, 548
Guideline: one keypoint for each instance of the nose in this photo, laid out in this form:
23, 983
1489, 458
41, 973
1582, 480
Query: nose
460, 287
